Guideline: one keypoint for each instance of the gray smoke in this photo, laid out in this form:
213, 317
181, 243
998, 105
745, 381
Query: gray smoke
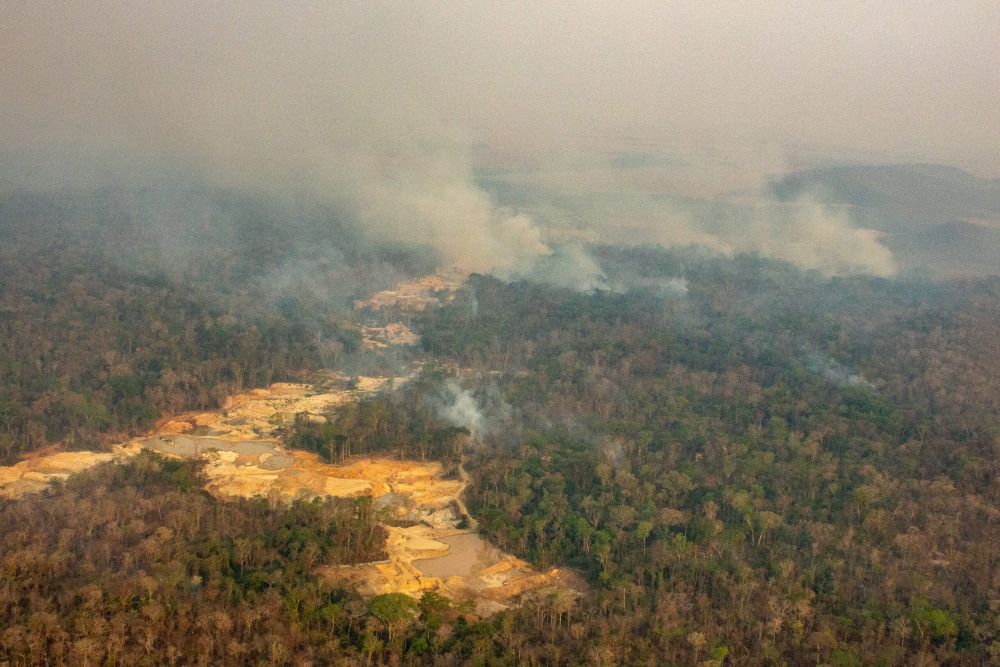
660, 202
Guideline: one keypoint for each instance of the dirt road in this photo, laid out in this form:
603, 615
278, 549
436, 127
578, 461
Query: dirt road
464, 476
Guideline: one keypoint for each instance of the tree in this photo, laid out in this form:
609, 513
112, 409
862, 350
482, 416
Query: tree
393, 610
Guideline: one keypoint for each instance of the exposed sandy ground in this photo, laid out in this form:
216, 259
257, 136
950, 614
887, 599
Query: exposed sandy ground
394, 333
422, 509
459, 564
260, 412
434, 554
243, 456
416, 294
34, 473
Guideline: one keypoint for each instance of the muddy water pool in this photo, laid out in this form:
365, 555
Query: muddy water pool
190, 446
467, 554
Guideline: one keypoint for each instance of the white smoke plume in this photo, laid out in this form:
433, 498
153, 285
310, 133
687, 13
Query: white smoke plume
484, 412
462, 409
809, 235
684, 196
836, 373
570, 265
284, 99
386, 108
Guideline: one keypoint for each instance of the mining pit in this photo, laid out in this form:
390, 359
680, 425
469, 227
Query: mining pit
416, 295
421, 509
382, 337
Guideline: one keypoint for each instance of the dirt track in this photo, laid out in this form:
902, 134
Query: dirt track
459, 501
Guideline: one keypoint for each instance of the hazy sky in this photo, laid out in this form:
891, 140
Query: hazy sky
382, 103
908, 78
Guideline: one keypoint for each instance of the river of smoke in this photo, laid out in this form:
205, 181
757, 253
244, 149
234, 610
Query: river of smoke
368, 105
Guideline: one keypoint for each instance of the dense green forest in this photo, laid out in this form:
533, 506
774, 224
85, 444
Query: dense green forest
767, 467
796, 469
117, 307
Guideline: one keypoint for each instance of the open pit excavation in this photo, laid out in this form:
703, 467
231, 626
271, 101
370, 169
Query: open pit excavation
38, 470
421, 508
416, 295
431, 542
394, 333
239, 442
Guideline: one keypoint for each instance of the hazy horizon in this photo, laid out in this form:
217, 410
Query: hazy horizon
398, 112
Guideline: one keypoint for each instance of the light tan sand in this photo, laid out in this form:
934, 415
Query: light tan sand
394, 333
34, 474
244, 459
418, 294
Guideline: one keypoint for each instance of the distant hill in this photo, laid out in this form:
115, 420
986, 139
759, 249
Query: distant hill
938, 220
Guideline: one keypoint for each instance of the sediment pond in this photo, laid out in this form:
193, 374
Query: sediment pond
192, 446
467, 554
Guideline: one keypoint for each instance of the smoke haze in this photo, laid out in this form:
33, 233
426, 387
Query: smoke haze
396, 110
462, 409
